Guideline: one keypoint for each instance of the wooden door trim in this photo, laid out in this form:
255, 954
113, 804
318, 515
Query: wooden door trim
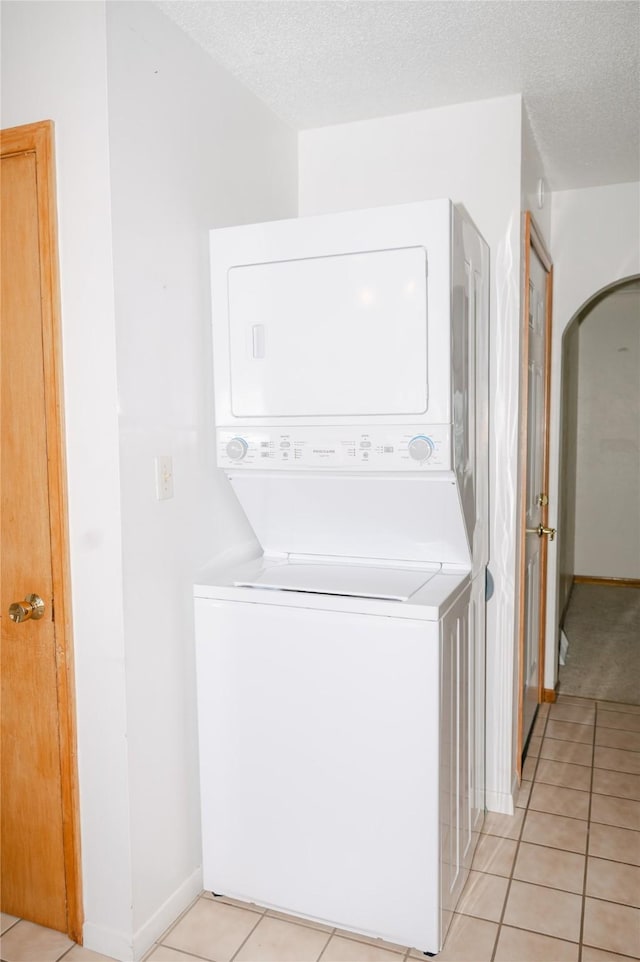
533, 240
538, 245
38, 138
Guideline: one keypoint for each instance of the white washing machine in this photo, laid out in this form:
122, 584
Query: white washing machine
340, 667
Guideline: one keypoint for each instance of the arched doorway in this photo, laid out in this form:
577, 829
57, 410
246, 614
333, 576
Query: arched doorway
599, 496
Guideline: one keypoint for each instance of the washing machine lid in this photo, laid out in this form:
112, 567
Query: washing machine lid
347, 580
415, 518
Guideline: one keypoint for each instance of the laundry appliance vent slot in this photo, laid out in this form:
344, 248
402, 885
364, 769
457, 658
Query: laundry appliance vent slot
341, 580
312, 591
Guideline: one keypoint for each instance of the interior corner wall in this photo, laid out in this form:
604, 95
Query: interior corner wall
595, 241
54, 67
191, 149
472, 154
568, 466
536, 197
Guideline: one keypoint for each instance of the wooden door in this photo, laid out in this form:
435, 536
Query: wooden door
40, 864
535, 440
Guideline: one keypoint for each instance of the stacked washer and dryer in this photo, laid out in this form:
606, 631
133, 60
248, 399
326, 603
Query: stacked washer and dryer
341, 666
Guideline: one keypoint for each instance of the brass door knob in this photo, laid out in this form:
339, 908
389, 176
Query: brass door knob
540, 530
31, 607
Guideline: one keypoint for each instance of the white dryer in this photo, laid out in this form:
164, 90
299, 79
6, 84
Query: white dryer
339, 670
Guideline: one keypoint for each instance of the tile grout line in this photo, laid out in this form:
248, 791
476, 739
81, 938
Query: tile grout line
175, 923
586, 854
196, 958
335, 931
248, 936
9, 927
518, 842
527, 809
199, 898
14, 925
367, 940
262, 913
324, 947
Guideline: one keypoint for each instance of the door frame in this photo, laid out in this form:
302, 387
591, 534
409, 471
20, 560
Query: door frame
38, 138
533, 241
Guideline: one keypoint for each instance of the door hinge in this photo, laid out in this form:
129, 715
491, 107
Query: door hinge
543, 500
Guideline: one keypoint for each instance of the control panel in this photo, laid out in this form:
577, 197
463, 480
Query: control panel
387, 448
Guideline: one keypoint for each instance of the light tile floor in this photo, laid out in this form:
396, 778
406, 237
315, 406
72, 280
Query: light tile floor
558, 881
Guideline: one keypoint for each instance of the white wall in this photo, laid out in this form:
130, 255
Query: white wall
567, 467
595, 241
190, 149
54, 67
472, 154
607, 537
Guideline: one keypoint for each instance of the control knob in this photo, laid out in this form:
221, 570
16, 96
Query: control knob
237, 449
420, 448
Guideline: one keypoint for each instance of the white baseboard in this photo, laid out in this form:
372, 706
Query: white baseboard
116, 945
502, 802
130, 947
166, 914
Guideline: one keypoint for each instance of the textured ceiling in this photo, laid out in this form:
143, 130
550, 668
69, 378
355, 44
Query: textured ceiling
319, 62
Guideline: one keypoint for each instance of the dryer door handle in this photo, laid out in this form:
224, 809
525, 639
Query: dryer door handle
258, 340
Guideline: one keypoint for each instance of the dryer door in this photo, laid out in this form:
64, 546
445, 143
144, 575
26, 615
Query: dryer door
336, 336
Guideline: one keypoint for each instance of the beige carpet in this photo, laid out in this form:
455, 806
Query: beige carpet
603, 628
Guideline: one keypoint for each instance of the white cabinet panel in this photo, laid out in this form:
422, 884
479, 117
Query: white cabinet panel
335, 764
319, 765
